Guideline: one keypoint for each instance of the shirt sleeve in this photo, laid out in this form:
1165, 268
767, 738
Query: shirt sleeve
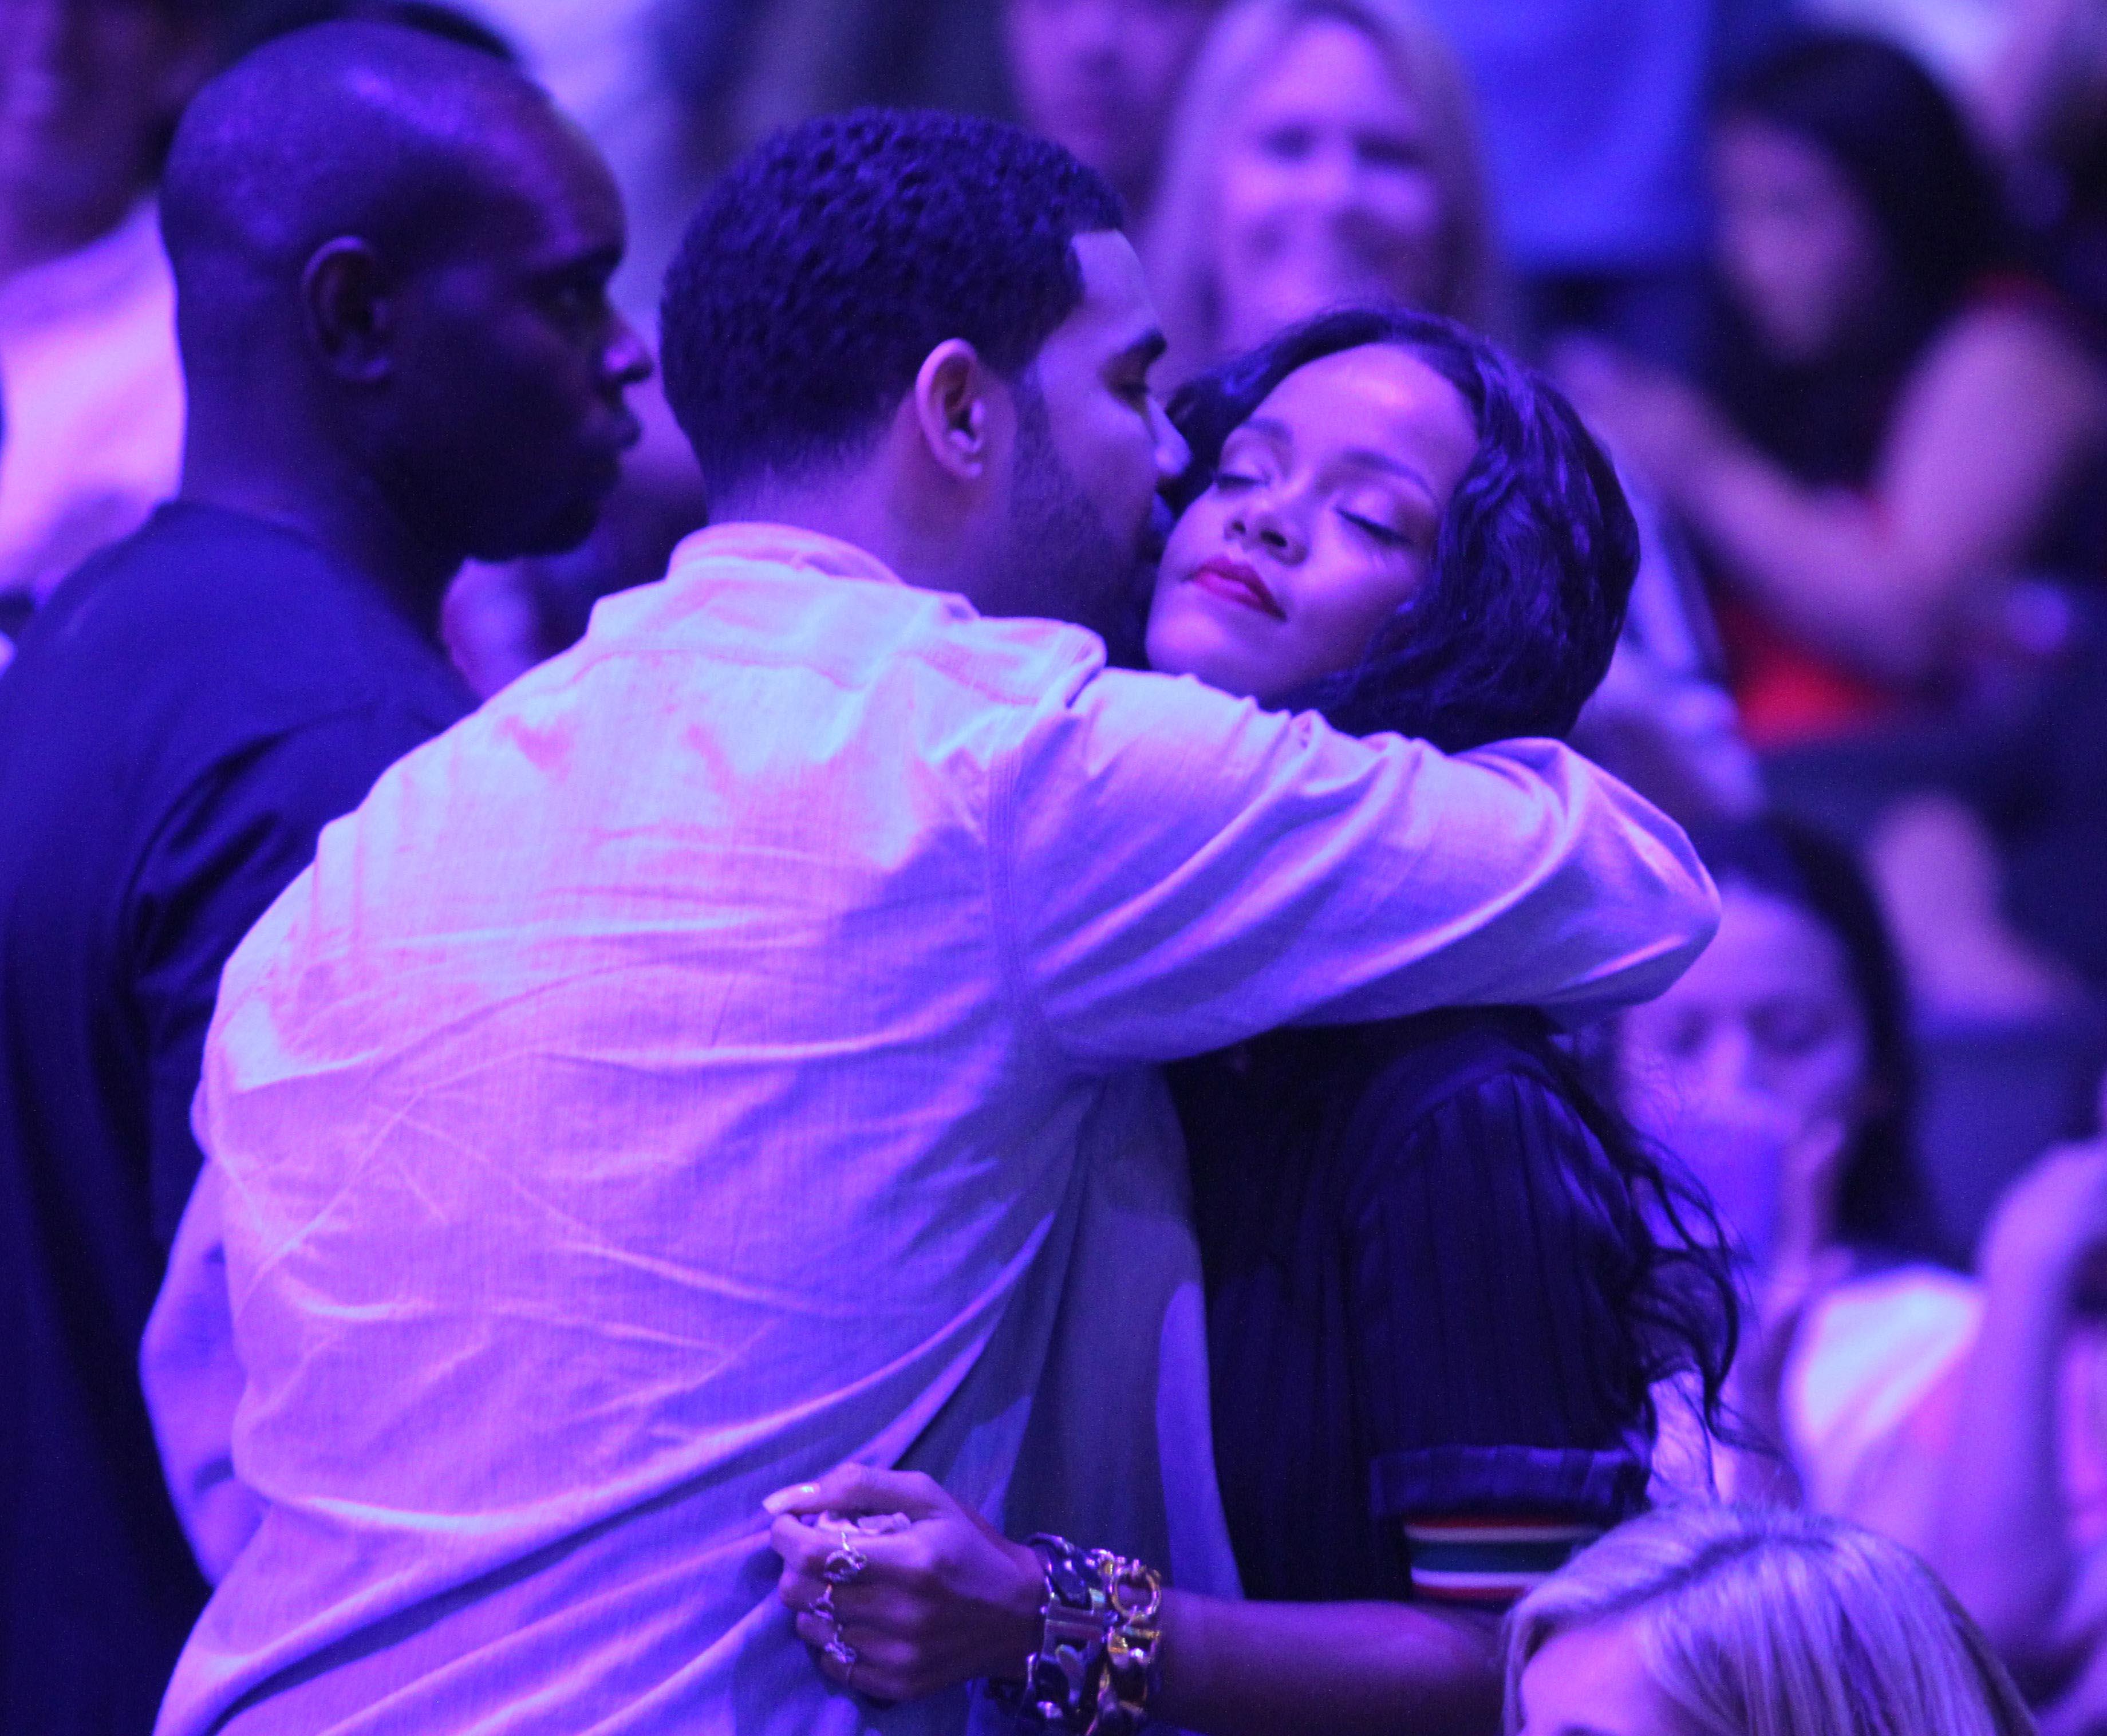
1180, 870
1500, 1440
192, 1378
238, 837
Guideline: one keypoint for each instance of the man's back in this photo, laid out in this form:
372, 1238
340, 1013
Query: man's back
663, 1089
184, 715
584, 1018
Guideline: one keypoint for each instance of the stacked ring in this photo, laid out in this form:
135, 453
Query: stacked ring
844, 1654
843, 1564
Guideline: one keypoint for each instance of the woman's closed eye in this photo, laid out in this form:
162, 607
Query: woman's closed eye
1385, 536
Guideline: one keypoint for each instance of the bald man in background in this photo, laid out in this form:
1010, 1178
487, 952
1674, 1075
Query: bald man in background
391, 256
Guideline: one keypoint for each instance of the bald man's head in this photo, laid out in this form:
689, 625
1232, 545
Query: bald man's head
399, 242
356, 129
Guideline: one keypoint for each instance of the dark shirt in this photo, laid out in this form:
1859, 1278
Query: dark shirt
180, 721
1402, 1227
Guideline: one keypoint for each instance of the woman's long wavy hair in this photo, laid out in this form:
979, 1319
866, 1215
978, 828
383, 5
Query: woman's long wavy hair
1513, 628
1534, 559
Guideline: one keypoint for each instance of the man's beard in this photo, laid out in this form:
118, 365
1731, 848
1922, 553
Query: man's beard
1065, 556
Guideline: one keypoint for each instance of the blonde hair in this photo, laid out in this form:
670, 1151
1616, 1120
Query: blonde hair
1770, 1622
1245, 41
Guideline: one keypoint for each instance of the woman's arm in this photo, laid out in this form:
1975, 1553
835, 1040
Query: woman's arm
2002, 1538
1235, 1669
1991, 431
948, 1598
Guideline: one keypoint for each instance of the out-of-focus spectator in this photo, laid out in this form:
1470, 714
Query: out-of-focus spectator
2021, 1530
89, 93
1102, 77
1779, 1069
1894, 420
1322, 153
1593, 112
391, 257
1708, 1620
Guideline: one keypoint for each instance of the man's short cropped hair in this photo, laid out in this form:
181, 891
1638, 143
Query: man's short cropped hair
825, 265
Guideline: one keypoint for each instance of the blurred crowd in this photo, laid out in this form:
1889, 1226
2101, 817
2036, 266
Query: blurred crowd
1830, 281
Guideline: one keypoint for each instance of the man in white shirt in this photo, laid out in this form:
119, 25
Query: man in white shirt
671, 1082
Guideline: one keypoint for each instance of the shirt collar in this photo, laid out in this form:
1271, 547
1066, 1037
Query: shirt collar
781, 545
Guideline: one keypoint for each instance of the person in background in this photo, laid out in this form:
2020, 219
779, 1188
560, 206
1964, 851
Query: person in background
1780, 1070
1707, 1620
1892, 422
1322, 153
397, 352
1408, 1428
1102, 77
2020, 1531
89, 94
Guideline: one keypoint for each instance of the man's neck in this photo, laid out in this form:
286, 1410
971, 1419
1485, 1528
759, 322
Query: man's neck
343, 512
857, 509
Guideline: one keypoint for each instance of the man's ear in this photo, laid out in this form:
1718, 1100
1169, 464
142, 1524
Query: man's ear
959, 409
350, 310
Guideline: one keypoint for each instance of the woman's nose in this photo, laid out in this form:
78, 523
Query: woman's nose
1260, 519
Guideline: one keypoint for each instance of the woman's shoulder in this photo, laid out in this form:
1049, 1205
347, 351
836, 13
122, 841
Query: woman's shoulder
1479, 1079
1417, 1066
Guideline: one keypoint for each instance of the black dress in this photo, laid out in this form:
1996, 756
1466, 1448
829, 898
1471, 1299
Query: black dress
1403, 1227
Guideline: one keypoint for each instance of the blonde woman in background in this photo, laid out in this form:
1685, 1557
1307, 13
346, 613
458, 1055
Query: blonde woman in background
1704, 1621
1324, 152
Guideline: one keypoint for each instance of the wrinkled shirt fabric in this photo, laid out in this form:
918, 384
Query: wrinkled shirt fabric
671, 1082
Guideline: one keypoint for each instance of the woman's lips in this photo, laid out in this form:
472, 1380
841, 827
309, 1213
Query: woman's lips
1238, 583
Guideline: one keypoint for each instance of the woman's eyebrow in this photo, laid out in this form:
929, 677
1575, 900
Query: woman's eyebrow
1360, 457
1366, 458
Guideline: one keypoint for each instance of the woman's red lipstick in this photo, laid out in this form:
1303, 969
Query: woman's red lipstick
1239, 583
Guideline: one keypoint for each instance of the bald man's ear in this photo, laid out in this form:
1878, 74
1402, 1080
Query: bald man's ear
350, 313
961, 412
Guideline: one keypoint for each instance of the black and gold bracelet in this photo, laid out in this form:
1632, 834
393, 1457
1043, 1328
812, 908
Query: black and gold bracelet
1099, 1640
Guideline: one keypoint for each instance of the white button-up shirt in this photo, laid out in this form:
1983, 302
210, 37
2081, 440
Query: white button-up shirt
669, 1083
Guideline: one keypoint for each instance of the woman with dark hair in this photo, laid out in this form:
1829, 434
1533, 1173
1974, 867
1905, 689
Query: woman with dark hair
1893, 417
1443, 1279
1778, 1068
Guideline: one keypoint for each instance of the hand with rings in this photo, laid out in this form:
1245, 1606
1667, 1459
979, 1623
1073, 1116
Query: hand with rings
898, 1589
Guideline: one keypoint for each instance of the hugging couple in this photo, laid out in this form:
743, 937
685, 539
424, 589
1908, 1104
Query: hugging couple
734, 1089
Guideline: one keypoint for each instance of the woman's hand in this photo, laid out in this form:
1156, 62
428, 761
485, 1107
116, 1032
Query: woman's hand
938, 1600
